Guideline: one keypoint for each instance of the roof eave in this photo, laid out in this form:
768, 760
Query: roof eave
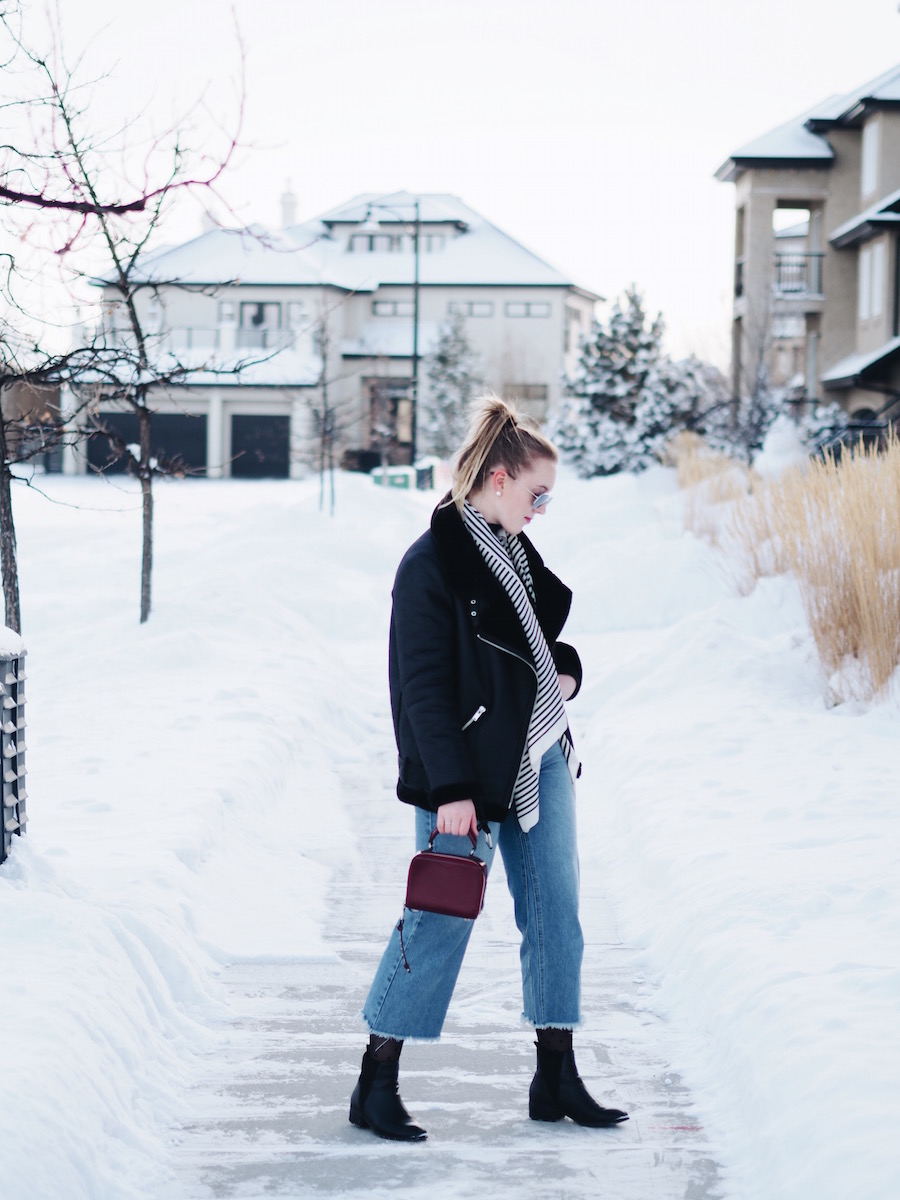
732, 168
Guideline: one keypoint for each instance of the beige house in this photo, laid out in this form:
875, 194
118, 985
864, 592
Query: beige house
352, 301
817, 251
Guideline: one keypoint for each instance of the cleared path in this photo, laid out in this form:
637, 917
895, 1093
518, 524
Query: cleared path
270, 1117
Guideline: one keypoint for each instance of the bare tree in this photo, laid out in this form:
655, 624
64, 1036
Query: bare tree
330, 418
65, 181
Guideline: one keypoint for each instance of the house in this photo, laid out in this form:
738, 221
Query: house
817, 252
350, 304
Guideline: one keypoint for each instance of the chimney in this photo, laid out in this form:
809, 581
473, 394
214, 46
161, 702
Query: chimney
288, 207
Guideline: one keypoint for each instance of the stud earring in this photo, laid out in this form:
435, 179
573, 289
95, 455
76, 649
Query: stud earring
498, 493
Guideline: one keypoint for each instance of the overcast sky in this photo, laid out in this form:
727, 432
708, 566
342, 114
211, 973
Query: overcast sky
587, 129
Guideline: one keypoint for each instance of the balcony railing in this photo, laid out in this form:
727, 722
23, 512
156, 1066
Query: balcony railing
798, 274
204, 339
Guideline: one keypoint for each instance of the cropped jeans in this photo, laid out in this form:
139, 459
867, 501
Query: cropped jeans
542, 875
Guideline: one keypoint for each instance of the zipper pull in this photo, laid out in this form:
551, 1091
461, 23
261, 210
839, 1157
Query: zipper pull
476, 716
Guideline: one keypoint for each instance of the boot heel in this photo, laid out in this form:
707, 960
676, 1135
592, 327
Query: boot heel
544, 1112
541, 1105
356, 1118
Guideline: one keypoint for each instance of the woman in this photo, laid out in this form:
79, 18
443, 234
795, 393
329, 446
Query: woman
478, 682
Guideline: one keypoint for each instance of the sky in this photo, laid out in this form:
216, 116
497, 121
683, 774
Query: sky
586, 129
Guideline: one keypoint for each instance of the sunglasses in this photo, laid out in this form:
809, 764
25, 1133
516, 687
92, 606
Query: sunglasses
539, 500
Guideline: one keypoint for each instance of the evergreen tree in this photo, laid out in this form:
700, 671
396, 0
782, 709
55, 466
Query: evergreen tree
627, 397
453, 383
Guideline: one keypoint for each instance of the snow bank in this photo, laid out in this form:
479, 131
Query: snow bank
750, 836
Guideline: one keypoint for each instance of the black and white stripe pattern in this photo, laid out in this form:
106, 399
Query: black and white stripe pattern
506, 558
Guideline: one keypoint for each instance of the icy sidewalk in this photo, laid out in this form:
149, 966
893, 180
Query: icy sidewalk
271, 1117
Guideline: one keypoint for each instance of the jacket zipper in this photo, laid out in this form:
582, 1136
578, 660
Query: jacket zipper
506, 650
476, 716
512, 653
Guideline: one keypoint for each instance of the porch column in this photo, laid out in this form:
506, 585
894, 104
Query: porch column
298, 438
215, 448
74, 457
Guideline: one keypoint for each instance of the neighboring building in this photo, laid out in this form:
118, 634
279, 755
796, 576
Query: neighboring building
817, 252
334, 300
31, 417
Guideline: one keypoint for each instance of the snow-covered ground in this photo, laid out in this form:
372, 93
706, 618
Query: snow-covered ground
185, 811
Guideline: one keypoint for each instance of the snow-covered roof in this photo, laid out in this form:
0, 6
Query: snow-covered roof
801, 140
196, 367
883, 89
843, 373
793, 140
219, 256
473, 252
869, 222
799, 230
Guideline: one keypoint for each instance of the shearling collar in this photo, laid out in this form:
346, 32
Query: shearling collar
470, 577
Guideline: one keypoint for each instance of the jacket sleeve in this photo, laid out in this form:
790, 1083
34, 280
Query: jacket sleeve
423, 633
568, 663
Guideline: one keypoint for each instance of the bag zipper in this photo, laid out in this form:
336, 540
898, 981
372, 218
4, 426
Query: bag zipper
476, 716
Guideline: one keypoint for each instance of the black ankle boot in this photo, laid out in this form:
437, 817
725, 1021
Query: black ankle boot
557, 1092
376, 1104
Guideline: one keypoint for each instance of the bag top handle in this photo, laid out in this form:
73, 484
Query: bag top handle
472, 838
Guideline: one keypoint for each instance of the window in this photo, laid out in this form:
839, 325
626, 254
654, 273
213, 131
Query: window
865, 283
868, 171
430, 242
378, 243
296, 313
226, 312
392, 308
259, 323
532, 398
572, 326
871, 281
260, 316
877, 304
529, 308
471, 308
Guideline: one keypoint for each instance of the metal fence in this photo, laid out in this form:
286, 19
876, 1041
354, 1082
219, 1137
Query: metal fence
12, 748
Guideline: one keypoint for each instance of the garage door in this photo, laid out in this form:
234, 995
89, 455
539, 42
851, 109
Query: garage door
260, 447
172, 435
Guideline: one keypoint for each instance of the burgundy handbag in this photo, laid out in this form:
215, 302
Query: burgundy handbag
447, 883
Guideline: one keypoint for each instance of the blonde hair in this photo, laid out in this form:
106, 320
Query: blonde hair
497, 437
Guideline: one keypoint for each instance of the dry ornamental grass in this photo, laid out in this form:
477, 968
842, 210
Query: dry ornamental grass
833, 524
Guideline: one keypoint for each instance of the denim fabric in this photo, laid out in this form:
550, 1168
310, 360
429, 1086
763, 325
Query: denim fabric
542, 874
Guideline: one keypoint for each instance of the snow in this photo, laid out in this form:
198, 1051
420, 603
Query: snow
782, 448
848, 368
11, 645
186, 811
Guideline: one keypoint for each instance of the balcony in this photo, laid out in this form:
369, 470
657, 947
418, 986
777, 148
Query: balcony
798, 275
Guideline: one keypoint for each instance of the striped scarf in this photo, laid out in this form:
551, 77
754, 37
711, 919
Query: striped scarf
506, 558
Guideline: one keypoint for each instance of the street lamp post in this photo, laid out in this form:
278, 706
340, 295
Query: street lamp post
414, 229
415, 346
